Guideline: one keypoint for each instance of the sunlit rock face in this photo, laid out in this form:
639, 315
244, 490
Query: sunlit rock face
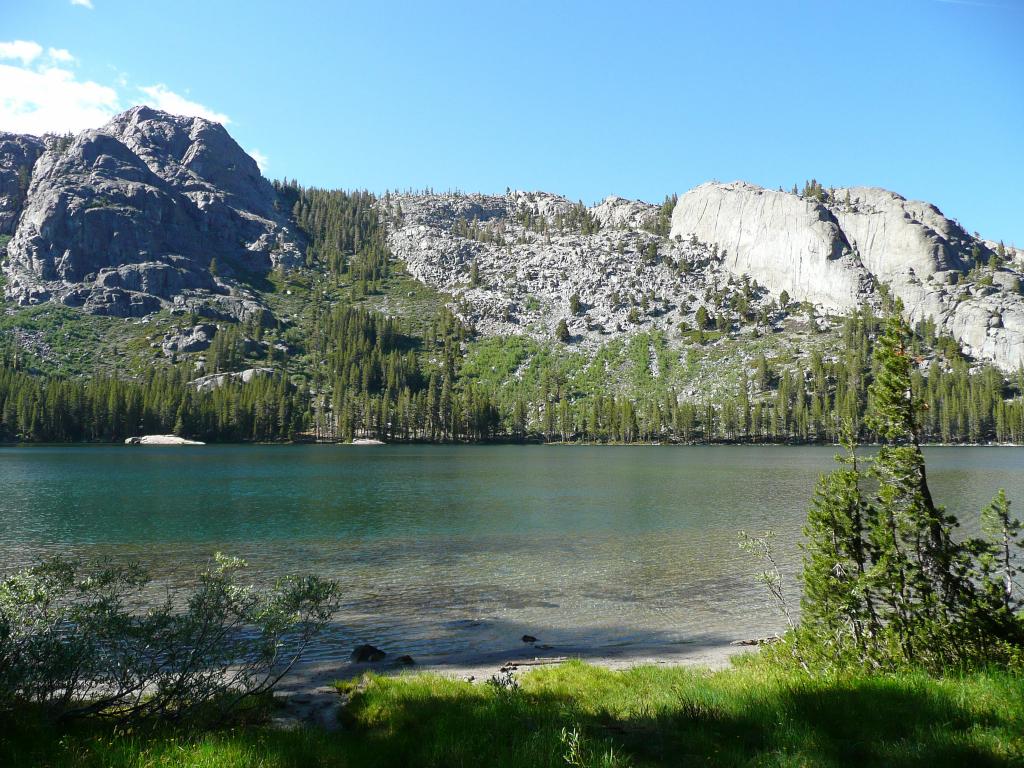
839, 251
781, 240
128, 218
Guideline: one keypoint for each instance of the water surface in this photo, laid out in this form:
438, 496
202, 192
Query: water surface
459, 550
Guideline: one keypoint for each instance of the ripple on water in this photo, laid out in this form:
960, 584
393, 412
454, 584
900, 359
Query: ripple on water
460, 550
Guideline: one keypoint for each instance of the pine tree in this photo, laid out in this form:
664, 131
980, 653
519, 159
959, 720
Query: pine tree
885, 583
574, 304
1005, 535
836, 608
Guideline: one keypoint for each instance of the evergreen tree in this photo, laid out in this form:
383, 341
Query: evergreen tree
1005, 535
885, 583
574, 304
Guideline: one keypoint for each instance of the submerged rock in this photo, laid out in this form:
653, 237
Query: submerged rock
363, 654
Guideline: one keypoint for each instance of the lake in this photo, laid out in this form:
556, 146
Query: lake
448, 551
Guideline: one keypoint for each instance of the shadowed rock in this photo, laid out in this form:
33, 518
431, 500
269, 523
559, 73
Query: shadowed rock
363, 654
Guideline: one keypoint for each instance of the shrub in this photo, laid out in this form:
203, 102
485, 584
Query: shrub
78, 639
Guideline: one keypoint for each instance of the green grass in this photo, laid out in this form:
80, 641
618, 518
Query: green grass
576, 714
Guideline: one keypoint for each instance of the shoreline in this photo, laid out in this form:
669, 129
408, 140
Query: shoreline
308, 697
364, 442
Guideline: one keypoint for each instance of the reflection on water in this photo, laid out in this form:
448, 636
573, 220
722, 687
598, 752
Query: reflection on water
461, 550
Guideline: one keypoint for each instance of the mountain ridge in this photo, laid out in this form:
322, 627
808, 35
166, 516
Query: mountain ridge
154, 211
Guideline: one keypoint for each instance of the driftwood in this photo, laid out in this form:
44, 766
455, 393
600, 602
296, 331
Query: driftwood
757, 641
535, 662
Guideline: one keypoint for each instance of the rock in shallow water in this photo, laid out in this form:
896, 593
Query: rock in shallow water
160, 440
363, 654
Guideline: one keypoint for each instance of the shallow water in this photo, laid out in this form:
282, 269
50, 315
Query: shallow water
459, 550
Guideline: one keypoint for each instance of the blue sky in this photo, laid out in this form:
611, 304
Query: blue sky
640, 99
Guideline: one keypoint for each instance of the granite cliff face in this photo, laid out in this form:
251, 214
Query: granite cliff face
837, 250
157, 211
17, 156
150, 210
781, 240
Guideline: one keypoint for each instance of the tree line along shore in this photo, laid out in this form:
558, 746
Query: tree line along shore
380, 380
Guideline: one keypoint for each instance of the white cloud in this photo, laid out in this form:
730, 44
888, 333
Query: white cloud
42, 94
261, 159
161, 97
21, 49
63, 55
83, 3
52, 100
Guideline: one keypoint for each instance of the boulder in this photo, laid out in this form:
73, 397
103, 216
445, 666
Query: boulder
363, 654
215, 380
160, 440
194, 339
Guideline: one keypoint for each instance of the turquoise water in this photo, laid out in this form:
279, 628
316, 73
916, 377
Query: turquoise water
461, 549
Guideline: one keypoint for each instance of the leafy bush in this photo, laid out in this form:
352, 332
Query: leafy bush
80, 640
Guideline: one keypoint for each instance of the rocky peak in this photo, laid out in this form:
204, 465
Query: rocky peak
195, 154
620, 213
131, 217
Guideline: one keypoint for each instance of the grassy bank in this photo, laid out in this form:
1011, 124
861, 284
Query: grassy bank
582, 715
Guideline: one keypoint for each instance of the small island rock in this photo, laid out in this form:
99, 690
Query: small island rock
160, 440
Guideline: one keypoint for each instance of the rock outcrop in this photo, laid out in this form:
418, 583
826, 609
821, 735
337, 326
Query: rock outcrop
782, 241
619, 213
195, 339
730, 246
837, 250
150, 209
215, 380
535, 251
